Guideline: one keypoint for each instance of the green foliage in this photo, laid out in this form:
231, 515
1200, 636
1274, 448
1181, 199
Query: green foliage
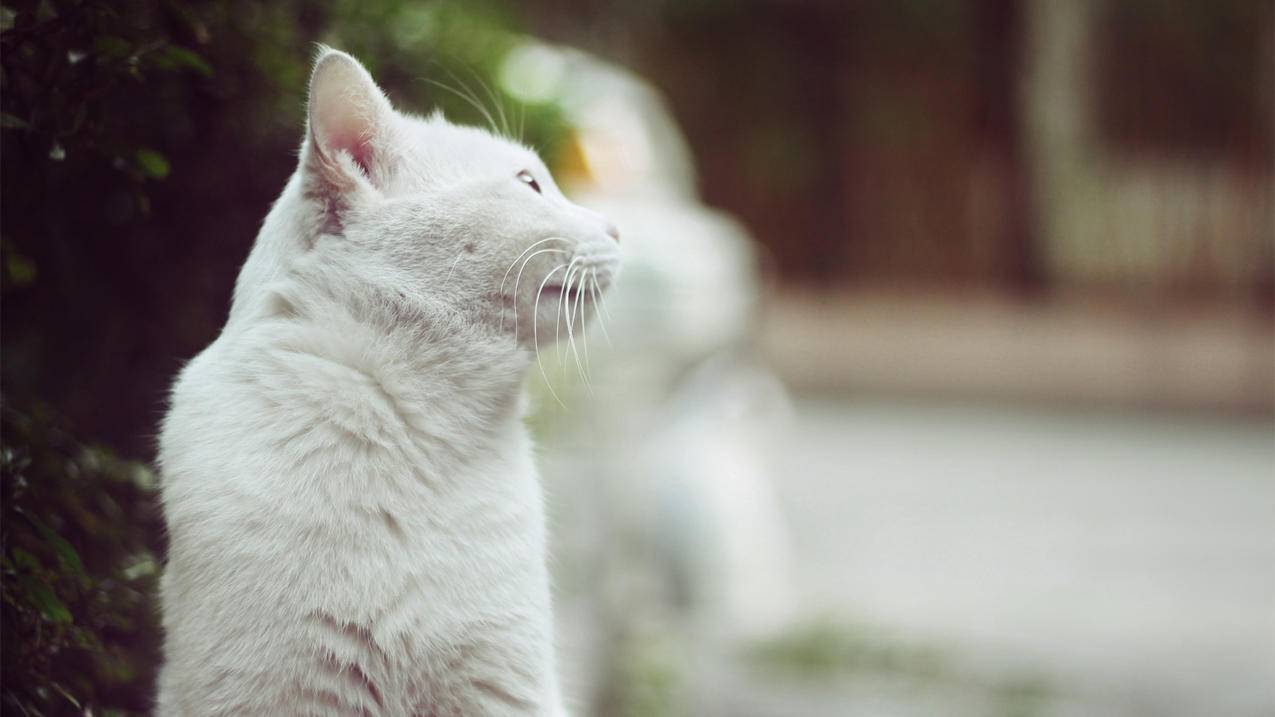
110, 80
64, 64
825, 649
80, 535
647, 676
152, 163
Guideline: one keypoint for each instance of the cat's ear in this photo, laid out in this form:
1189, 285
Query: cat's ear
348, 125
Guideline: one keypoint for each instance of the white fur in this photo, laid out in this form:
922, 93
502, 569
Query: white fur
355, 519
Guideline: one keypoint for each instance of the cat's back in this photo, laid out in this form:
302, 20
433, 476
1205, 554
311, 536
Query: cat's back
220, 425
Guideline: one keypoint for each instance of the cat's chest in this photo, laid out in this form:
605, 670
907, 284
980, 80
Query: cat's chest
377, 528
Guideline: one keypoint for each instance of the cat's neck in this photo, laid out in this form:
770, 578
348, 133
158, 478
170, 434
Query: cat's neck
446, 375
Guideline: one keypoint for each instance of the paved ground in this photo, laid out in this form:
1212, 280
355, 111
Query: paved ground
1010, 497
1127, 559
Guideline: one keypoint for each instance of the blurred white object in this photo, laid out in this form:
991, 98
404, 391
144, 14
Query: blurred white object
690, 281
662, 478
712, 452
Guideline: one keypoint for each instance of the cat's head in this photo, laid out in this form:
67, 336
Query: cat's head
445, 215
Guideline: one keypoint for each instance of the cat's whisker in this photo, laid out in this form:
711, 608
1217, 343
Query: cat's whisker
524, 253
518, 280
585, 286
571, 337
584, 335
602, 302
557, 336
562, 307
582, 365
566, 308
474, 95
474, 103
535, 334
598, 300
448, 279
557, 327
494, 100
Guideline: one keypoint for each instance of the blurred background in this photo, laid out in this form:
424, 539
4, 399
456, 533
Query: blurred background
940, 379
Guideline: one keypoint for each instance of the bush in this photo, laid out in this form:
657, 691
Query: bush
80, 537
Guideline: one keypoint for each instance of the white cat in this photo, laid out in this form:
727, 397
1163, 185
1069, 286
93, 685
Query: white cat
355, 519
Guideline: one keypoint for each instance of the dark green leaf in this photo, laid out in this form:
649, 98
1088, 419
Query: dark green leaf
112, 47
25, 560
45, 600
173, 57
65, 551
152, 163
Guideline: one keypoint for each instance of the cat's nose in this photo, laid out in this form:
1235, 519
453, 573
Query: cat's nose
613, 231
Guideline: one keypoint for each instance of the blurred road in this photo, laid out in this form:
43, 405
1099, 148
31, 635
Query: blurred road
1128, 559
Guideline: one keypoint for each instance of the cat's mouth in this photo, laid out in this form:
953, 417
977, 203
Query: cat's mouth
572, 295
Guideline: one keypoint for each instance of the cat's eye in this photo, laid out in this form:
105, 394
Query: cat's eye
525, 177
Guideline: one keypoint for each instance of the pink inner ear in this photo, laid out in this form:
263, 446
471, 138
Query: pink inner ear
348, 133
362, 154
358, 146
